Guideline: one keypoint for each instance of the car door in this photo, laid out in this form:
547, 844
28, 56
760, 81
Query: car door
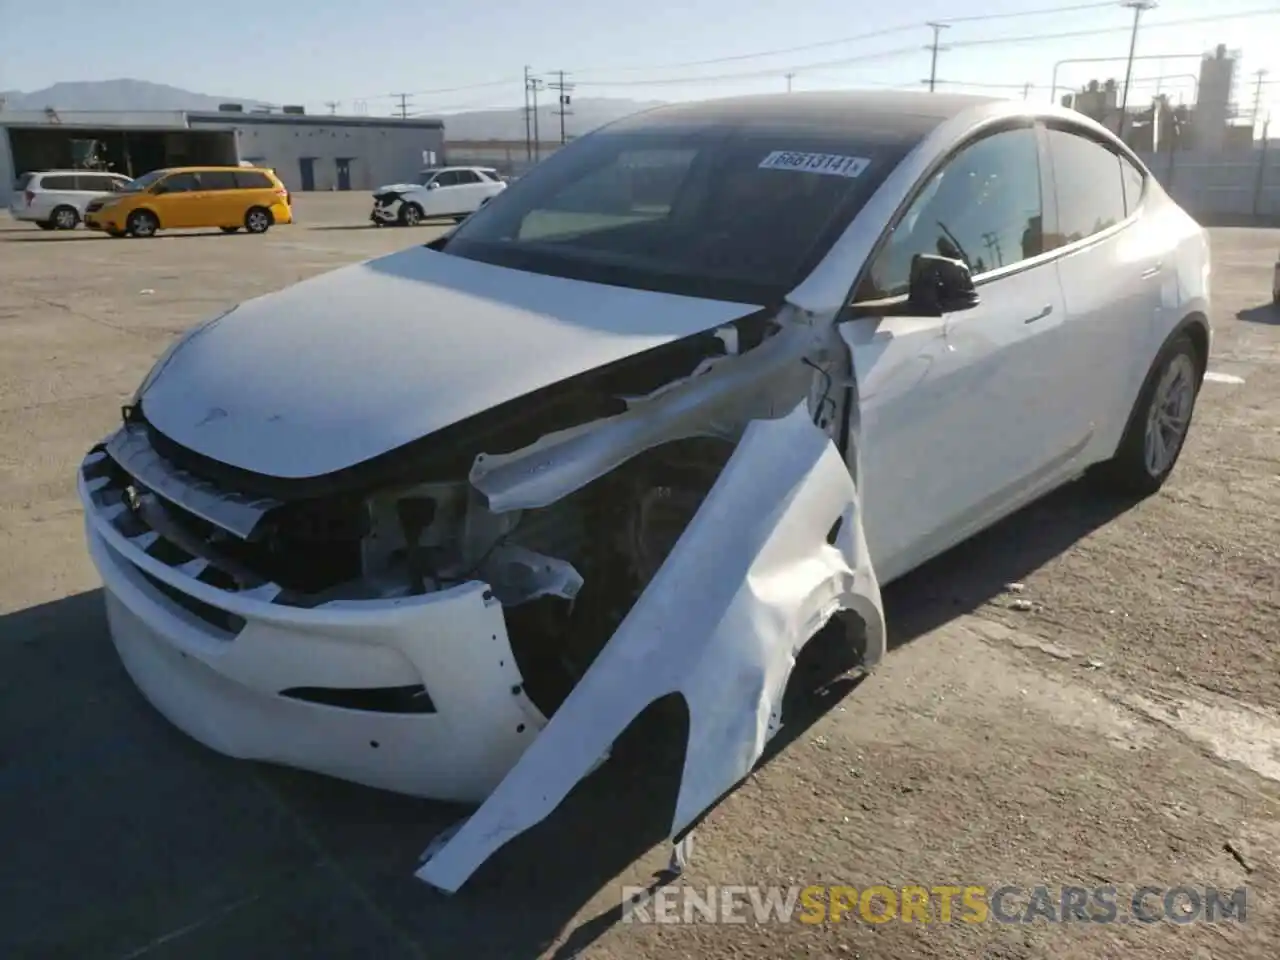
439, 196
471, 191
176, 200
222, 203
1111, 269
963, 415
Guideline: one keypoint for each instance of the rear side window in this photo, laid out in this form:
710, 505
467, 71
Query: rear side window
58, 183
217, 180
1134, 182
94, 183
23, 180
467, 177
1090, 187
492, 175
252, 180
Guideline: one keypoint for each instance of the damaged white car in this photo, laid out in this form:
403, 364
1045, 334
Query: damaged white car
447, 521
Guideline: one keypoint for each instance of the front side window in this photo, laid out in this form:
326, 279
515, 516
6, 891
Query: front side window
983, 207
144, 182
252, 180
179, 183
1090, 188
446, 178
467, 177
727, 213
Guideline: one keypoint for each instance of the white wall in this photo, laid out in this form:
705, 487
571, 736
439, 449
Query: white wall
381, 152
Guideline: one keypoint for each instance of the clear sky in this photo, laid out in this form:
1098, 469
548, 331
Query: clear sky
469, 54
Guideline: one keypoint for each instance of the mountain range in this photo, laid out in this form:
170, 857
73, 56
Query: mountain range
124, 94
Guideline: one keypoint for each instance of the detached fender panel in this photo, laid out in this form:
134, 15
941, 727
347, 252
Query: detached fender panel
752, 578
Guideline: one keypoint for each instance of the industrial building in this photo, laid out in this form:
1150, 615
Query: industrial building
307, 152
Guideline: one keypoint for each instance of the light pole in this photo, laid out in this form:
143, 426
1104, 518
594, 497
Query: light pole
1137, 6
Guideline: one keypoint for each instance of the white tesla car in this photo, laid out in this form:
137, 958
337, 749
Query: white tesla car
450, 193
445, 522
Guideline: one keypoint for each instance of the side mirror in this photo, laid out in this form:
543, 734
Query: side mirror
939, 285
433, 185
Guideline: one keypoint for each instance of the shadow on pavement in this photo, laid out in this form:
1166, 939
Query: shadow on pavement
124, 838
1266, 313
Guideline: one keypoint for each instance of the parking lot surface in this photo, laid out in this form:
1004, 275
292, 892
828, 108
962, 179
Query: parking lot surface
1083, 696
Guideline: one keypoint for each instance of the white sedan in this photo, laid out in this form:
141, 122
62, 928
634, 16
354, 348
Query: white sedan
689, 392
450, 193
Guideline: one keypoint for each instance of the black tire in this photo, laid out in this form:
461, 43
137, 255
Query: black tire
64, 217
1165, 405
257, 220
410, 215
44, 224
142, 223
229, 229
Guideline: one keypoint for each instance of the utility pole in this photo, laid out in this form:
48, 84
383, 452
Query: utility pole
790, 77
1026, 91
562, 89
333, 106
528, 130
933, 48
535, 84
404, 105
1257, 100
1137, 6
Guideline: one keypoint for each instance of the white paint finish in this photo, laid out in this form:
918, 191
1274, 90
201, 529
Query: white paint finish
749, 582
960, 414
224, 692
338, 369
1213, 376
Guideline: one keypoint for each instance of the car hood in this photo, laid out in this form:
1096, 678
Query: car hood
351, 364
398, 188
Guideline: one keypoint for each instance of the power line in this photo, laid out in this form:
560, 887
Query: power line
903, 51
871, 35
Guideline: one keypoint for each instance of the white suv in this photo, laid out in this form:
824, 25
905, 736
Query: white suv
441, 192
55, 199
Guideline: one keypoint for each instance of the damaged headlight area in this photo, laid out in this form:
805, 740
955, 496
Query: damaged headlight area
481, 615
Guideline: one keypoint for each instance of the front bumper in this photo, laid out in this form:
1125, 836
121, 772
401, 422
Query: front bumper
216, 662
386, 213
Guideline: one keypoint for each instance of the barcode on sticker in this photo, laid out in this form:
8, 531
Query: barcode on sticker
831, 163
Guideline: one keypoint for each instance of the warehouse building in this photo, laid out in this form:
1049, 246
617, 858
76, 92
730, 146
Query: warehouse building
307, 152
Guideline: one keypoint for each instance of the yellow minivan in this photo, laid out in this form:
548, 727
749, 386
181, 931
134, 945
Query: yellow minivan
185, 197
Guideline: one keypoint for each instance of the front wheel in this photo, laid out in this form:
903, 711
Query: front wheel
410, 215
257, 220
142, 223
1158, 424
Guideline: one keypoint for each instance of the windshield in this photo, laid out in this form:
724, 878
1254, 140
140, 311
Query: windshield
425, 177
144, 182
740, 215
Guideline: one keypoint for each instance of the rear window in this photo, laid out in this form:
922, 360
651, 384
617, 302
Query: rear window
23, 180
58, 182
252, 180
737, 216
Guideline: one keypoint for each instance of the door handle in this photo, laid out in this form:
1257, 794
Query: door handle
1044, 312
1151, 271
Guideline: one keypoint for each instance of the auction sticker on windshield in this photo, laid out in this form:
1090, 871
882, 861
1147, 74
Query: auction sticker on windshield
831, 163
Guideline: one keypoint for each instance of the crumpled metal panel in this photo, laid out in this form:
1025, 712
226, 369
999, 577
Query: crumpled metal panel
233, 512
750, 581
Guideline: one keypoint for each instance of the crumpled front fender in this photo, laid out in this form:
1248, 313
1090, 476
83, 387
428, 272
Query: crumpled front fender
775, 551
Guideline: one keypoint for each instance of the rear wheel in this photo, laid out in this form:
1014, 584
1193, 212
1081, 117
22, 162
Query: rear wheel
1158, 424
257, 220
228, 229
65, 218
410, 214
142, 223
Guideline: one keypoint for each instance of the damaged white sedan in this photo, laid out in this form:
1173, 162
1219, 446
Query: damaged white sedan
447, 521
